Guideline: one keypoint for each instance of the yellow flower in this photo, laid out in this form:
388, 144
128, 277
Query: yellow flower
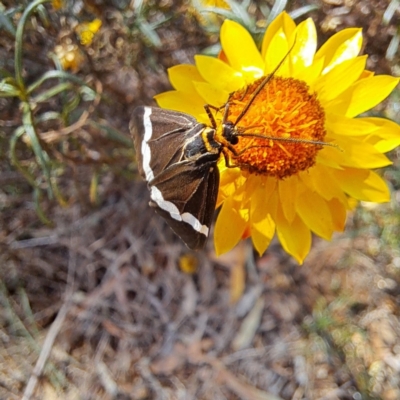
188, 263
70, 56
216, 3
206, 18
57, 4
87, 30
283, 187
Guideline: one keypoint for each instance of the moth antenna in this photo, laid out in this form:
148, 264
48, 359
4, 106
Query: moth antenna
290, 140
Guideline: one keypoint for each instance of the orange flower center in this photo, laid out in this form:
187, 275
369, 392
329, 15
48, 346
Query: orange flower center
283, 109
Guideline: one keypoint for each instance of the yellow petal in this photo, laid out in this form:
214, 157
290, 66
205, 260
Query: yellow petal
288, 196
338, 79
182, 77
219, 74
367, 93
305, 46
358, 154
363, 185
342, 46
315, 213
311, 74
386, 127
330, 157
385, 145
282, 22
295, 237
277, 51
179, 101
338, 214
95, 25
230, 180
241, 51
320, 179
342, 125
244, 193
262, 234
229, 227
264, 202
387, 135
211, 95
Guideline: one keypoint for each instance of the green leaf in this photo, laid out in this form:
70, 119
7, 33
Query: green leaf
37, 196
390, 10
276, 9
241, 12
149, 33
54, 75
6, 24
19, 40
393, 46
299, 12
14, 159
41, 155
47, 94
43, 15
8, 88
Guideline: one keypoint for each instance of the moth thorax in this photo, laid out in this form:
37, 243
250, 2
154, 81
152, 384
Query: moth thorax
194, 148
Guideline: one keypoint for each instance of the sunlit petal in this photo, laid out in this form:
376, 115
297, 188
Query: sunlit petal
305, 45
277, 51
367, 93
342, 125
338, 79
321, 180
282, 22
363, 185
288, 197
359, 154
211, 94
342, 46
190, 103
264, 204
387, 135
315, 213
182, 77
219, 73
295, 237
240, 50
229, 227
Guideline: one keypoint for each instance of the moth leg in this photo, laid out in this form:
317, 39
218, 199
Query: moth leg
208, 108
227, 156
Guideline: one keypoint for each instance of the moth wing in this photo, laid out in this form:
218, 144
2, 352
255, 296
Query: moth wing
159, 136
185, 194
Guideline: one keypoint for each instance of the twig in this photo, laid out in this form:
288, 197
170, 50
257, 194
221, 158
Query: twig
45, 352
54, 329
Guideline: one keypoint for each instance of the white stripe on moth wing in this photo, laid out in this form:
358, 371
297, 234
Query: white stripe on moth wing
146, 154
173, 211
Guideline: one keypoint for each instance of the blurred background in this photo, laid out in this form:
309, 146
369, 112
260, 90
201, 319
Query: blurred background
98, 298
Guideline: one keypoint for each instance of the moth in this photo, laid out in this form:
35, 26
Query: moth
177, 156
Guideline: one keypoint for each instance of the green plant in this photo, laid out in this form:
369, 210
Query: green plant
52, 109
